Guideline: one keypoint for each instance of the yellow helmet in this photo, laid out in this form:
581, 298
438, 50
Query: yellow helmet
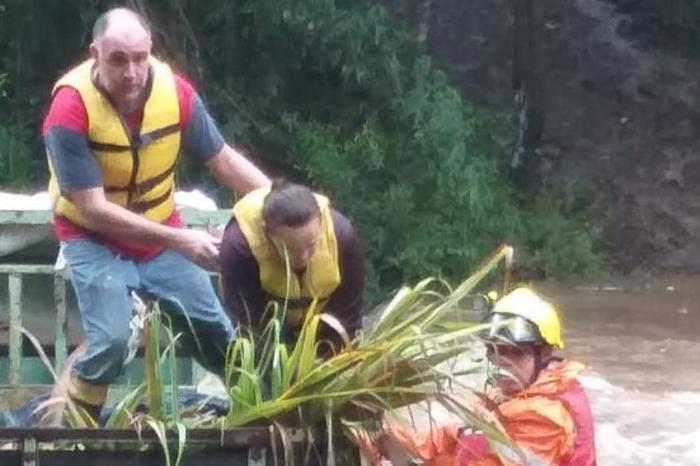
522, 316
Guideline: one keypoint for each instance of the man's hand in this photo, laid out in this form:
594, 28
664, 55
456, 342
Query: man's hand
109, 218
198, 246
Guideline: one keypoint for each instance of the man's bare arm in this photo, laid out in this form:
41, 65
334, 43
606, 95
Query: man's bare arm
235, 171
117, 222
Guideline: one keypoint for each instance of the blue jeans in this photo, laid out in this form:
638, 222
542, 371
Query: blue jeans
102, 282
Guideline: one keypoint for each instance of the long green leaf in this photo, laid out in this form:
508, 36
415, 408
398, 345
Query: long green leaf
121, 412
159, 428
154, 382
181, 441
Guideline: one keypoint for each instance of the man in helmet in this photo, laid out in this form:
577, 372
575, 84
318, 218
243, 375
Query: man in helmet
541, 404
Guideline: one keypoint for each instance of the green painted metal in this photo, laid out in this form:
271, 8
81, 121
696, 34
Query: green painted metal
203, 218
30, 370
59, 296
25, 217
33, 372
20, 269
15, 298
24, 370
193, 217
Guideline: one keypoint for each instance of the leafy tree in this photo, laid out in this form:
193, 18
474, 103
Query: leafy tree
333, 92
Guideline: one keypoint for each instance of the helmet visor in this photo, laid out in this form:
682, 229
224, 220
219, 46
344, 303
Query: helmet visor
509, 328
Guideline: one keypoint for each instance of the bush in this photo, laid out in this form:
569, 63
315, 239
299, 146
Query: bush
338, 93
18, 167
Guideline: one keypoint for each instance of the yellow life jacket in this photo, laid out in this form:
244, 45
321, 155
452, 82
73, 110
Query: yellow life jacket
322, 274
137, 170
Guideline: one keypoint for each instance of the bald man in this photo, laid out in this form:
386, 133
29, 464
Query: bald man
115, 127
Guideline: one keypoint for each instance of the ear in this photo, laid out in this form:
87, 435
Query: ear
546, 351
269, 230
93, 51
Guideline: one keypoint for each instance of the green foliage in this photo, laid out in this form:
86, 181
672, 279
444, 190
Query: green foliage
396, 362
34, 48
401, 359
17, 164
16, 167
558, 245
439, 222
336, 93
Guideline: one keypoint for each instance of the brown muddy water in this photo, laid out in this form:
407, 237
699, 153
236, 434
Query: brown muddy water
641, 341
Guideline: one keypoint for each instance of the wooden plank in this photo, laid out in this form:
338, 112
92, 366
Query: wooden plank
193, 217
59, 296
15, 297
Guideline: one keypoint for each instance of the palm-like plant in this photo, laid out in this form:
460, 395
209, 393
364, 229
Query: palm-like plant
391, 365
395, 363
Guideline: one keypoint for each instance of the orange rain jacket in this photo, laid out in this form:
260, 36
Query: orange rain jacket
550, 421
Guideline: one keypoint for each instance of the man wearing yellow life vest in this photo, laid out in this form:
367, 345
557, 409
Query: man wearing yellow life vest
286, 244
113, 132
541, 403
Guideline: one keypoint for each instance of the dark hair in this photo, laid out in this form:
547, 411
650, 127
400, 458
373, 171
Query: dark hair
288, 204
102, 22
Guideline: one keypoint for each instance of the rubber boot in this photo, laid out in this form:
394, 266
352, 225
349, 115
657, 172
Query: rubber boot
88, 398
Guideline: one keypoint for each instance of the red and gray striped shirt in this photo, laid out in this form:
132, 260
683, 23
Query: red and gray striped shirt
65, 130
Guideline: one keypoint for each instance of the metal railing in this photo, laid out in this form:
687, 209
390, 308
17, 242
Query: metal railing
247, 446
16, 274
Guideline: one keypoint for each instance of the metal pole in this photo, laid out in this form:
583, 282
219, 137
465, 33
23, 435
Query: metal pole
59, 296
15, 296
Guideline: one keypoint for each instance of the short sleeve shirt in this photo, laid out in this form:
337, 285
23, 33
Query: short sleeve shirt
65, 131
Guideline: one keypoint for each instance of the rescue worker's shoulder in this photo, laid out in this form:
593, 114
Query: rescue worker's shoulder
541, 425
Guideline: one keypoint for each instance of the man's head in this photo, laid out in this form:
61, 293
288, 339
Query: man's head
523, 331
121, 46
292, 221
